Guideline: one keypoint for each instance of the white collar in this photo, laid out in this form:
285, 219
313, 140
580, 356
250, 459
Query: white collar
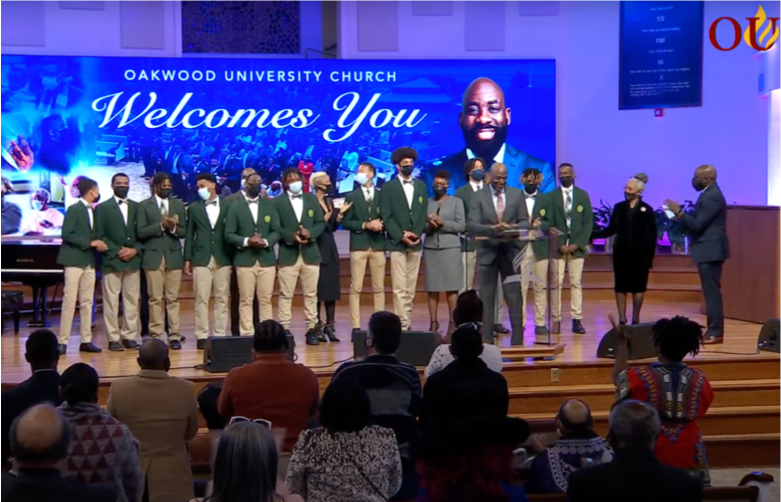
118, 200
499, 157
247, 197
476, 185
160, 201
565, 189
536, 192
89, 206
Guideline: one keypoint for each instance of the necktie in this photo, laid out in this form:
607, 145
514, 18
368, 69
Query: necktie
568, 208
499, 205
369, 198
211, 202
163, 210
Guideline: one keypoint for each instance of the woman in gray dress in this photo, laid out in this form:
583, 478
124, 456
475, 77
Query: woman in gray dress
442, 248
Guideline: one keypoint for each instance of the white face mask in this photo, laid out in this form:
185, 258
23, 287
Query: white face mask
362, 178
204, 193
296, 187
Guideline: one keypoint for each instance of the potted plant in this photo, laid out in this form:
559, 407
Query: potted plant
602, 214
679, 240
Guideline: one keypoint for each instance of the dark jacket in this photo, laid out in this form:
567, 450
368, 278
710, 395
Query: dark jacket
311, 219
635, 236
466, 193
43, 386
77, 236
463, 389
399, 216
201, 241
110, 227
239, 226
360, 213
707, 226
634, 475
159, 243
47, 485
582, 220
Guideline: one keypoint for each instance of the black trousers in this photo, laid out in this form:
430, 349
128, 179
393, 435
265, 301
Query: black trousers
710, 278
487, 278
235, 306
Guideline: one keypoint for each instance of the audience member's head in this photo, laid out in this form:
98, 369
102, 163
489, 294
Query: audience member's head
207, 399
245, 466
153, 355
79, 384
40, 438
270, 337
42, 350
633, 425
345, 406
469, 308
677, 337
574, 417
466, 343
384, 334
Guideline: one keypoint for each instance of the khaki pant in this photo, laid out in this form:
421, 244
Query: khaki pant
288, 276
575, 266
163, 285
208, 280
79, 283
376, 261
255, 280
405, 266
530, 265
128, 282
468, 259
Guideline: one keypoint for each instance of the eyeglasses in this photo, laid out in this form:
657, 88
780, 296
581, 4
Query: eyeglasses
237, 420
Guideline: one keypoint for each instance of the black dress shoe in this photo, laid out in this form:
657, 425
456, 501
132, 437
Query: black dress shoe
130, 344
201, 344
330, 333
499, 328
174, 345
63, 349
89, 347
115, 347
577, 327
312, 337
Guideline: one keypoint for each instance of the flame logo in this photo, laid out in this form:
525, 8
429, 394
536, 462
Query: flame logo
758, 20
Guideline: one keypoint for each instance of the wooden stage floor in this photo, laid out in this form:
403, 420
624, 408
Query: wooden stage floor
740, 342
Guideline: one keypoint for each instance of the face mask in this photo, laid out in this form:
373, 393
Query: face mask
361, 178
253, 190
530, 188
37, 205
478, 174
97, 199
163, 193
295, 187
327, 189
121, 192
440, 191
698, 184
630, 196
566, 181
204, 193
406, 170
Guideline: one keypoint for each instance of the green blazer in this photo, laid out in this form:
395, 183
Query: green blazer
542, 210
77, 236
201, 241
312, 219
110, 227
582, 220
466, 193
239, 226
398, 216
158, 242
361, 212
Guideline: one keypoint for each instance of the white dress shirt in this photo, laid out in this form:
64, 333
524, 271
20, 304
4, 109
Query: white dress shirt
164, 202
89, 212
476, 187
498, 158
368, 193
298, 204
564, 192
122, 204
409, 189
213, 210
253, 210
530, 201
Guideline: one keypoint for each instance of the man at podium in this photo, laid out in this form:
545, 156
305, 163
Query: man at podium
495, 218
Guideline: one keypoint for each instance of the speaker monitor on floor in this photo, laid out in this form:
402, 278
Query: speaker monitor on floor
416, 346
768, 336
641, 343
225, 352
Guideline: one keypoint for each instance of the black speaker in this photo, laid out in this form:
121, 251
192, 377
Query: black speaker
768, 336
416, 346
225, 352
641, 343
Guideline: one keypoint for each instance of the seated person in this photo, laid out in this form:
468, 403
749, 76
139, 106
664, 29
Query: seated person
579, 446
272, 387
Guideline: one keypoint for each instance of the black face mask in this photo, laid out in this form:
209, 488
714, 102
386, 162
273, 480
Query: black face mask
566, 181
406, 170
439, 191
698, 185
97, 199
121, 192
327, 189
630, 196
163, 193
530, 188
478, 174
253, 190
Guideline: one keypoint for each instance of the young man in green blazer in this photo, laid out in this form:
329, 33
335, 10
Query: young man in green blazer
300, 224
251, 232
76, 257
115, 223
161, 226
206, 257
572, 215
403, 208
367, 242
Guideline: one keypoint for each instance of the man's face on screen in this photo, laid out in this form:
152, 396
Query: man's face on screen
484, 117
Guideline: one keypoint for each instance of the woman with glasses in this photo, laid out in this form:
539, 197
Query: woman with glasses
442, 248
347, 458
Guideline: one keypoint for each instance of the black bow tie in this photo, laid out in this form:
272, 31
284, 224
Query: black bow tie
251, 201
407, 182
299, 196
120, 202
211, 202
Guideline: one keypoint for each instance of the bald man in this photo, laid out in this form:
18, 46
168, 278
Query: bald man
709, 246
161, 412
579, 446
40, 438
484, 120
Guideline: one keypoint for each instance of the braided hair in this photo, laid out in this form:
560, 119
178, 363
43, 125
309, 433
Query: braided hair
270, 336
677, 337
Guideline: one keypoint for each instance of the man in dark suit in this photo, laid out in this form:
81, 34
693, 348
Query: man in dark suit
494, 210
42, 353
709, 246
484, 119
206, 258
635, 474
40, 439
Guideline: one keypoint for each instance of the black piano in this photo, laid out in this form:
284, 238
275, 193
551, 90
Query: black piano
32, 261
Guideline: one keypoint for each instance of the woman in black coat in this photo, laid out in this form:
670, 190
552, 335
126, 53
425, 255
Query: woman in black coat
634, 225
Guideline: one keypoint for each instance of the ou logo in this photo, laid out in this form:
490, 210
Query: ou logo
750, 34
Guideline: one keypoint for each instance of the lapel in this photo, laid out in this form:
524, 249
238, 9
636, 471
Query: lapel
131, 212
489, 198
417, 196
524, 207
559, 195
223, 210
154, 210
286, 206
360, 206
119, 212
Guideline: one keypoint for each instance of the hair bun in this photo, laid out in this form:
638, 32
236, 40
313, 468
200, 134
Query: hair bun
642, 177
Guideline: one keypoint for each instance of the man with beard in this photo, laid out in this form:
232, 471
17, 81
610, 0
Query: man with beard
484, 119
